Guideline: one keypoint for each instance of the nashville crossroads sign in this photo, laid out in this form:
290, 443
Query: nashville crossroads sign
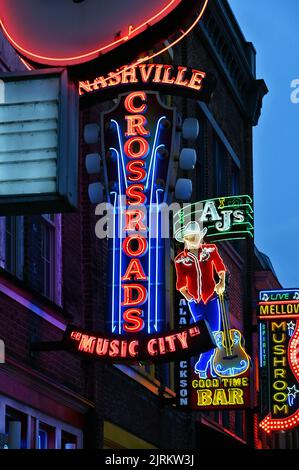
278, 315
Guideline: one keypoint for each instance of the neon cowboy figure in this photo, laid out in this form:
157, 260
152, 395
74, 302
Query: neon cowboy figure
195, 269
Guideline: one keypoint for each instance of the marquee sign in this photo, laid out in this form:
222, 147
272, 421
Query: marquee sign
278, 315
96, 34
224, 218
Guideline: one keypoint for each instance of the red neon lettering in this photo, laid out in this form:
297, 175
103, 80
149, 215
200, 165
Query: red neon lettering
133, 322
129, 75
99, 82
150, 347
157, 77
180, 77
123, 351
166, 77
134, 220
129, 289
136, 147
133, 348
135, 270
170, 341
161, 345
114, 348
129, 102
135, 125
135, 192
135, 167
102, 347
182, 337
196, 79
114, 79
87, 344
76, 335
145, 72
141, 245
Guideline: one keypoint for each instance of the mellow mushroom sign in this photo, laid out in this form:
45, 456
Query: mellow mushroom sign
95, 32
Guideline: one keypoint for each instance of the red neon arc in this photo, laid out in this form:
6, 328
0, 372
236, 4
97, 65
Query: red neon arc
270, 424
8, 25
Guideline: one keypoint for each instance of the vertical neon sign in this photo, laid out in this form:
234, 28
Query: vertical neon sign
278, 315
137, 141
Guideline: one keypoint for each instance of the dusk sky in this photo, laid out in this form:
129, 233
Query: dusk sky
273, 27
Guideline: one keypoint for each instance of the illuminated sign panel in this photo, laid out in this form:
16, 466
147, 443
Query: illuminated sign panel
141, 347
215, 393
224, 218
176, 80
138, 145
220, 378
38, 142
278, 314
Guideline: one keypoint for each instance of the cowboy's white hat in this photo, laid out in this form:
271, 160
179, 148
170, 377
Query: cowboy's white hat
190, 229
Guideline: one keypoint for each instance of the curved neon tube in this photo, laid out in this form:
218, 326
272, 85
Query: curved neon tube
131, 32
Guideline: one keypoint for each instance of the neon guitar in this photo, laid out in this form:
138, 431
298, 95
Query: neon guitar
70, 32
230, 358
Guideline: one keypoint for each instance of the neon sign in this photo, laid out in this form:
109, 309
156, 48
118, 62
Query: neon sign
224, 218
278, 315
215, 393
141, 347
137, 142
41, 33
166, 78
217, 379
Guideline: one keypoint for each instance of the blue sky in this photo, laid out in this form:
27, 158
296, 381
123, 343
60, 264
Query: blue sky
273, 27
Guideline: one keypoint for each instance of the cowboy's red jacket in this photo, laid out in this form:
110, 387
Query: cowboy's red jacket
197, 273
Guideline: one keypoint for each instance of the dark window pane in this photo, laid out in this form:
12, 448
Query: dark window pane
220, 162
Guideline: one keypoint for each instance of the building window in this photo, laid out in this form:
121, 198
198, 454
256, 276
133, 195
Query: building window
51, 256
68, 440
220, 163
12, 245
23, 427
46, 436
16, 428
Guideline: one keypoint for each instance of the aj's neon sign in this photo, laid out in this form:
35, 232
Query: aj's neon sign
220, 378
